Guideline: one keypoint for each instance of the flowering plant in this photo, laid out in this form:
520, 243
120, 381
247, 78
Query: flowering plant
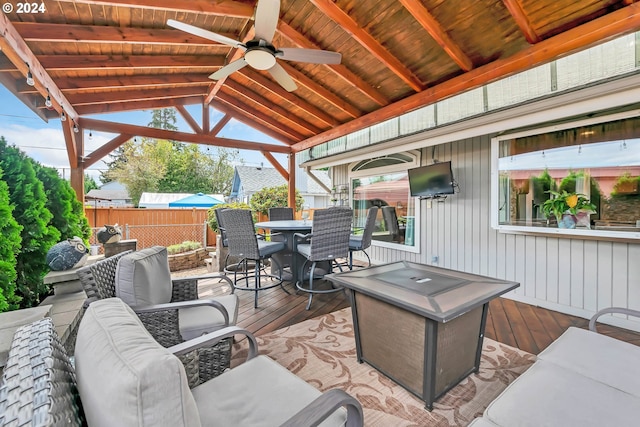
567, 203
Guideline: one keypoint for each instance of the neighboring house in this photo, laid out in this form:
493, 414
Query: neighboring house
162, 200
111, 194
247, 180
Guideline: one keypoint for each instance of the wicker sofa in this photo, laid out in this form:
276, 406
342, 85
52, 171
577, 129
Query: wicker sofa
122, 377
582, 379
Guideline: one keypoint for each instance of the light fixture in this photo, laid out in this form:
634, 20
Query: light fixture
63, 116
47, 102
90, 135
75, 128
260, 58
579, 149
30, 80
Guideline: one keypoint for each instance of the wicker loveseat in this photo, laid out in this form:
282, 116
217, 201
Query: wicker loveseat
123, 377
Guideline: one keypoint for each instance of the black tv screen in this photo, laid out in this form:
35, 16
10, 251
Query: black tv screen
431, 180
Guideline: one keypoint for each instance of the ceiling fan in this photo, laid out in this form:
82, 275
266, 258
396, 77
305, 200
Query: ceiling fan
259, 53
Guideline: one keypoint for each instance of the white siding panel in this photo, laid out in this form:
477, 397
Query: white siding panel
605, 272
564, 272
552, 267
634, 277
577, 273
590, 278
540, 267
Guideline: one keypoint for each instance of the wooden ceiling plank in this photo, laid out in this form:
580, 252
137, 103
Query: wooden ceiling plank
136, 105
278, 90
519, 15
221, 123
47, 32
133, 95
17, 51
121, 82
342, 71
105, 126
340, 17
276, 164
273, 106
70, 142
188, 118
105, 149
259, 115
244, 117
106, 62
433, 27
598, 31
231, 8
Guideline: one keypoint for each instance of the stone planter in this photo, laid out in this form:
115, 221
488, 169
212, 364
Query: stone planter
188, 260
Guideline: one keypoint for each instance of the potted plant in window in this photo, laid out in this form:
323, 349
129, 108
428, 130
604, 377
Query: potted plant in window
569, 209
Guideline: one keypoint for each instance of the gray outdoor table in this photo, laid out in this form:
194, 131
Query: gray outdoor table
420, 325
286, 258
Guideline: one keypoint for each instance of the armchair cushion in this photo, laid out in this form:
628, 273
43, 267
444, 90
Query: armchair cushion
271, 401
195, 321
143, 277
125, 377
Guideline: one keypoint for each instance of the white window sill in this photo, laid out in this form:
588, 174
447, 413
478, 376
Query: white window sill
576, 233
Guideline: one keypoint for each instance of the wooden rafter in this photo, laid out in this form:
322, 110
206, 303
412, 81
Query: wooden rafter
136, 105
105, 149
276, 164
110, 62
341, 18
221, 124
595, 32
188, 118
232, 8
70, 143
134, 95
433, 27
519, 15
150, 132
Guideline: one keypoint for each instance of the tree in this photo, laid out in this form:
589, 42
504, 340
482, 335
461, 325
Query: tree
222, 173
9, 249
26, 194
164, 118
272, 197
68, 213
89, 183
119, 158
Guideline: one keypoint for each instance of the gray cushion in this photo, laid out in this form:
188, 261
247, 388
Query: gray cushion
355, 242
143, 277
259, 392
195, 321
125, 377
268, 248
599, 357
548, 395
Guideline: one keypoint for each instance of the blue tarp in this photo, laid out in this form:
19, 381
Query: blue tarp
195, 201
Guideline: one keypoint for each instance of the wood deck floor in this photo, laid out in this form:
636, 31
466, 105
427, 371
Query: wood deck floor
519, 325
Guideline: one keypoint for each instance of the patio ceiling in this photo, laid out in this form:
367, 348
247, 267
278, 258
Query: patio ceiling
103, 56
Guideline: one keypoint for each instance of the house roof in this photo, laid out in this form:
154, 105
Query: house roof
95, 57
254, 179
107, 195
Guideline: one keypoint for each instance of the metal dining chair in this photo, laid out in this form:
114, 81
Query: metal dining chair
362, 241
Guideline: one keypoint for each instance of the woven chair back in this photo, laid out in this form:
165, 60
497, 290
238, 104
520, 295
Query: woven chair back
369, 225
241, 233
99, 279
391, 221
330, 233
221, 229
280, 214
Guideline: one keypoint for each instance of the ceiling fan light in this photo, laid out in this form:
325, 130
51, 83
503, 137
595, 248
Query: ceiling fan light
260, 59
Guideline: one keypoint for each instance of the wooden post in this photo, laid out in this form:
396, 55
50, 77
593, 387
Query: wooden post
292, 180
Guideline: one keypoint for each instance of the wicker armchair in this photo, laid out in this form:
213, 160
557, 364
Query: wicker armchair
362, 241
41, 387
244, 244
329, 242
163, 320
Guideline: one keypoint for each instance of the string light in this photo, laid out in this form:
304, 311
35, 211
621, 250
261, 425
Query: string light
47, 102
63, 116
543, 155
579, 149
75, 128
30, 80
90, 135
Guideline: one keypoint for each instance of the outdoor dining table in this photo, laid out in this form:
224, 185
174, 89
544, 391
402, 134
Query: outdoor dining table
287, 258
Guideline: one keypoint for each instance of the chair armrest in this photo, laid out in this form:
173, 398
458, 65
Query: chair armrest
326, 404
611, 310
204, 277
185, 304
211, 338
186, 288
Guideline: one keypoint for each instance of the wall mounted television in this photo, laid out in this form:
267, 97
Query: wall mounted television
431, 181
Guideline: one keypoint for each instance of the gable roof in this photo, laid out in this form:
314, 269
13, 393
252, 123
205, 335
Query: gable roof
254, 179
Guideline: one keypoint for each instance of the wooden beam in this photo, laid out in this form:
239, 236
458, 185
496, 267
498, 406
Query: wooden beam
70, 142
278, 90
221, 124
340, 17
598, 31
150, 132
103, 34
205, 118
292, 181
112, 62
245, 118
188, 118
276, 164
519, 15
17, 51
136, 105
105, 149
122, 82
230, 8
342, 71
133, 95
317, 180
259, 116
286, 116
433, 27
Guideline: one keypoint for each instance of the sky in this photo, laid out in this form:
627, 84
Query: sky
44, 142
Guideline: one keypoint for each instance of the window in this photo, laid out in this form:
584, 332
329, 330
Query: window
596, 158
383, 182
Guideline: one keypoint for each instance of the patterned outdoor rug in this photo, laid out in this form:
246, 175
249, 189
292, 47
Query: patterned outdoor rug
322, 352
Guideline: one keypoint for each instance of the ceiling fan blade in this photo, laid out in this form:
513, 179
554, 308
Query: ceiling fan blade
284, 79
228, 69
196, 31
267, 15
314, 56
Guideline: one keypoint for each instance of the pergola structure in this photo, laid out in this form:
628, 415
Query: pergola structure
101, 56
